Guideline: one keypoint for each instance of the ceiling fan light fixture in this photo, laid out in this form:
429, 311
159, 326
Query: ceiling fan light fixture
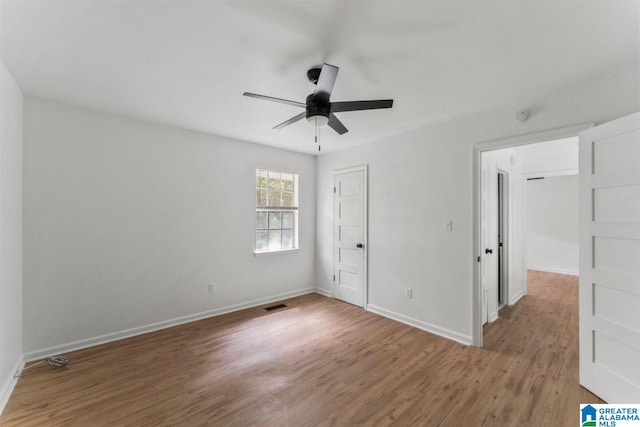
318, 120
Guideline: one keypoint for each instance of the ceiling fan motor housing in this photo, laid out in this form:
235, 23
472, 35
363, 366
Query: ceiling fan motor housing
317, 113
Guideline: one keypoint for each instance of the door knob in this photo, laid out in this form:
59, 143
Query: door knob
359, 245
488, 251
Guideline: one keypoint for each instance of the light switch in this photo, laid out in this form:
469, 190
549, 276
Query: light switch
448, 225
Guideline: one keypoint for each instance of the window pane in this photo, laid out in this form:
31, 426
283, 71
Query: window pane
287, 181
276, 215
287, 199
287, 239
275, 239
274, 220
274, 198
261, 220
261, 240
287, 219
261, 197
274, 180
261, 178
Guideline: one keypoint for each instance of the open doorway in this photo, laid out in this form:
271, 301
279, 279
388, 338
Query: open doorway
501, 233
529, 217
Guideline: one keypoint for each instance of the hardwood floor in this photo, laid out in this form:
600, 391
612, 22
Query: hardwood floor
322, 362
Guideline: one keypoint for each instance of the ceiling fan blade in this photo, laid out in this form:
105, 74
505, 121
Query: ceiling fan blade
337, 107
271, 98
290, 121
326, 81
336, 124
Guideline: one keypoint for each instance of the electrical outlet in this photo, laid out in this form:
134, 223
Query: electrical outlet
408, 293
212, 288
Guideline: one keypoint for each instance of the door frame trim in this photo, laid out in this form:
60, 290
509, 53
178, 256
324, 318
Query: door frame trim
530, 138
365, 264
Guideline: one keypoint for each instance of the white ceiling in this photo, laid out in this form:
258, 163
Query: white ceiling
187, 63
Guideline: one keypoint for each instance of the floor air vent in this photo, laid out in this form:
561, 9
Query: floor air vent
275, 307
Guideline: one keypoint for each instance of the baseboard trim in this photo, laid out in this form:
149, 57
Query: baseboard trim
555, 270
516, 298
128, 333
9, 383
324, 292
445, 333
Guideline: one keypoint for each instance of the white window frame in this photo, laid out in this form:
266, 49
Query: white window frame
267, 207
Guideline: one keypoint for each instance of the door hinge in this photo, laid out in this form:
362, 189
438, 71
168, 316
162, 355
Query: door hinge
334, 277
334, 189
478, 259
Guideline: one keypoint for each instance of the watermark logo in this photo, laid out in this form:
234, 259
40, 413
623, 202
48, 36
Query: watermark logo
609, 415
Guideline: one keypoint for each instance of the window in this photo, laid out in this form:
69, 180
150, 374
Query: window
276, 211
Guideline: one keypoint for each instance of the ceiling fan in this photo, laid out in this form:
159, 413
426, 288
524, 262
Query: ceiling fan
319, 111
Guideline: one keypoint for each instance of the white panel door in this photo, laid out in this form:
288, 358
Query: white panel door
488, 238
349, 233
610, 260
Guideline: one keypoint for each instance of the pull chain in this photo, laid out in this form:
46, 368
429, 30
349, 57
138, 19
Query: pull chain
316, 126
317, 136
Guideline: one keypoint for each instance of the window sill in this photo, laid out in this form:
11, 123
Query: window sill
271, 253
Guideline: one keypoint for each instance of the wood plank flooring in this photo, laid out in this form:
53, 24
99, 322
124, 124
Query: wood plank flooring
322, 362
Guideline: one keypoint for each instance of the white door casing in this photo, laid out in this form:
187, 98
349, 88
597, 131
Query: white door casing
610, 260
350, 235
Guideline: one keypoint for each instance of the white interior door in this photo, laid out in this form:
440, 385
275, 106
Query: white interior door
610, 260
488, 238
349, 235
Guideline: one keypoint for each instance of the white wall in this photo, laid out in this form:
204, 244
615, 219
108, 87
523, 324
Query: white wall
552, 224
550, 158
126, 223
419, 179
552, 205
11, 102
